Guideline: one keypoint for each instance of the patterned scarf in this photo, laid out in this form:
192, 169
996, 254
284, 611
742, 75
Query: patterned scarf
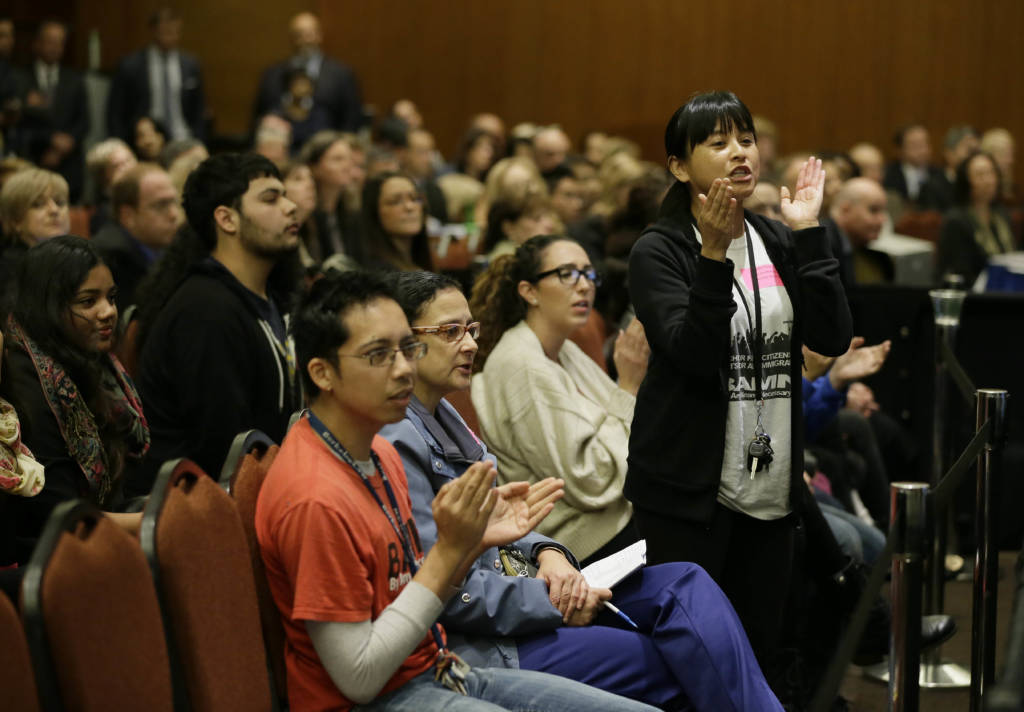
20, 474
76, 422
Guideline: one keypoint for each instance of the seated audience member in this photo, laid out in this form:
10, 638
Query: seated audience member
329, 157
407, 111
690, 649
551, 147
476, 154
80, 414
566, 194
273, 138
33, 208
768, 146
381, 160
417, 160
513, 179
593, 147
912, 176
358, 594
856, 220
510, 223
869, 160
766, 200
545, 408
55, 113
150, 138
960, 142
495, 126
394, 224
145, 206
12, 164
106, 161
618, 173
215, 359
977, 227
461, 194
999, 144
300, 188
335, 92
161, 81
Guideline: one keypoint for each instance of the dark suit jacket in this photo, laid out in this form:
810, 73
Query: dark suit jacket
130, 95
337, 91
67, 112
125, 258
932, 195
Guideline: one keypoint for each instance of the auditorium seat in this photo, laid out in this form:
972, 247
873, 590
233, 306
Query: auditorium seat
192, 537
92, 619
924, 224
79, 216
461, 401
17, 682
249, 457
591, 336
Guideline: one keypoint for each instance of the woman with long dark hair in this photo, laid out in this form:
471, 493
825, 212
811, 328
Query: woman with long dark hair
727, 298
394, 223
80, 414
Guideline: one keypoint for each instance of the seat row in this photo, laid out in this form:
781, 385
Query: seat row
179, 619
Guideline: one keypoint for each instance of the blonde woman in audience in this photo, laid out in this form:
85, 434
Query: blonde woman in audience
545, 408
33, 208
510, 223
509, 179
618, 173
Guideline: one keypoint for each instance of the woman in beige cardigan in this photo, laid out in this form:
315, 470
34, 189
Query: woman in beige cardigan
545, 408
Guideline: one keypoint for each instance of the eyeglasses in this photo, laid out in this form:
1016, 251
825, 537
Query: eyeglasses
450, 332
412, 351
569, 276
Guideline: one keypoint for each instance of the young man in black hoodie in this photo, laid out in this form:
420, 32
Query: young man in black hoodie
216, 359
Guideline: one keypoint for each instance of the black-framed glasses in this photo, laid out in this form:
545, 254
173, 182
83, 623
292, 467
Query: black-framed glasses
412, 351
569, 275
451, 333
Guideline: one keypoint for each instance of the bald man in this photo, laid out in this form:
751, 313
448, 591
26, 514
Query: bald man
858, 215
550, 148
336, 89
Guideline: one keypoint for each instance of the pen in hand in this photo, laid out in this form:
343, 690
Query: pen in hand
620, 614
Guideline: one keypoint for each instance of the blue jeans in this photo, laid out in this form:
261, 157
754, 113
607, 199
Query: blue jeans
501, 689
690, 648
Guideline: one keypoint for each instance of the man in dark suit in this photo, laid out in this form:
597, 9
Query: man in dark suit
912, 176
336, 90
158, 81
55, 115
146, 215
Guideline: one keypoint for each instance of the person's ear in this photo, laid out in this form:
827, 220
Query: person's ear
321, 372
528, 292
126, 217
227, 219
677, 168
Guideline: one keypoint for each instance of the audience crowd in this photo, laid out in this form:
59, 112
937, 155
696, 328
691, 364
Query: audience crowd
525, 334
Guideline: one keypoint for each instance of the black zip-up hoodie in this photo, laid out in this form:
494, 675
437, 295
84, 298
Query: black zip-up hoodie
210, 369
685, 303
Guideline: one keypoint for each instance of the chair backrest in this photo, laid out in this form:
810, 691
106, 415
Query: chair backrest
128, 345
193, 539
461, 401
590, 338
249, 458
17, 680
92, 618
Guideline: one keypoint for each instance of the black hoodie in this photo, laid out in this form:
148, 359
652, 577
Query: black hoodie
214, 364
685, 303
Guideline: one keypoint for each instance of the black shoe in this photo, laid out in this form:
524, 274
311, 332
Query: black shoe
936, 630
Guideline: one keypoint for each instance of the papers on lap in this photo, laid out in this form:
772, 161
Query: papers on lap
610, 570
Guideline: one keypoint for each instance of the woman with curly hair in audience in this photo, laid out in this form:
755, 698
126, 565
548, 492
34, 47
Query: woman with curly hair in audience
80, 414
545, 408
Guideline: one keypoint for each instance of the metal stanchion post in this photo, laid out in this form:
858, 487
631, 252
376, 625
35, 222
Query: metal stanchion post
935, 672
991, 406
910, 529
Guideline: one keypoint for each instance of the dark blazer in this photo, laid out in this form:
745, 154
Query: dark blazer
337, 91
67, 112
130, 95
933, 193
958, 251
125, 258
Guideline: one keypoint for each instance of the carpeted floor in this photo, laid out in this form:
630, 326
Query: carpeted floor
866, 695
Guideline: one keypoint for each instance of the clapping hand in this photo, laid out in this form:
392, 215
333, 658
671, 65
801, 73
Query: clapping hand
462, 508
720, 219
858, 362
801, 209
519, 508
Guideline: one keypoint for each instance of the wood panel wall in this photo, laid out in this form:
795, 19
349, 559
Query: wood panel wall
829, 73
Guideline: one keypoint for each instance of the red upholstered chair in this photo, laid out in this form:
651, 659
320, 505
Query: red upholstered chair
923, 224
78, 216
461, 401
17, 681
245, 468
193, 539
590, 337
92, 618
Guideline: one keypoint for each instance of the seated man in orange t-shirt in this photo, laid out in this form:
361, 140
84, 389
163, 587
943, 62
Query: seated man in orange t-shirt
346, 569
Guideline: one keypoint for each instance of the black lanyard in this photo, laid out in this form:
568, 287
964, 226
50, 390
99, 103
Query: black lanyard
394, 516
756, 337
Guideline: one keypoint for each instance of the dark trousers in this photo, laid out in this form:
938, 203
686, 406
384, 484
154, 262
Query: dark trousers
751, 559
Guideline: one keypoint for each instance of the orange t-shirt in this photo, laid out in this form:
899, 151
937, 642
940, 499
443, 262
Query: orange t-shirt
331, 555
